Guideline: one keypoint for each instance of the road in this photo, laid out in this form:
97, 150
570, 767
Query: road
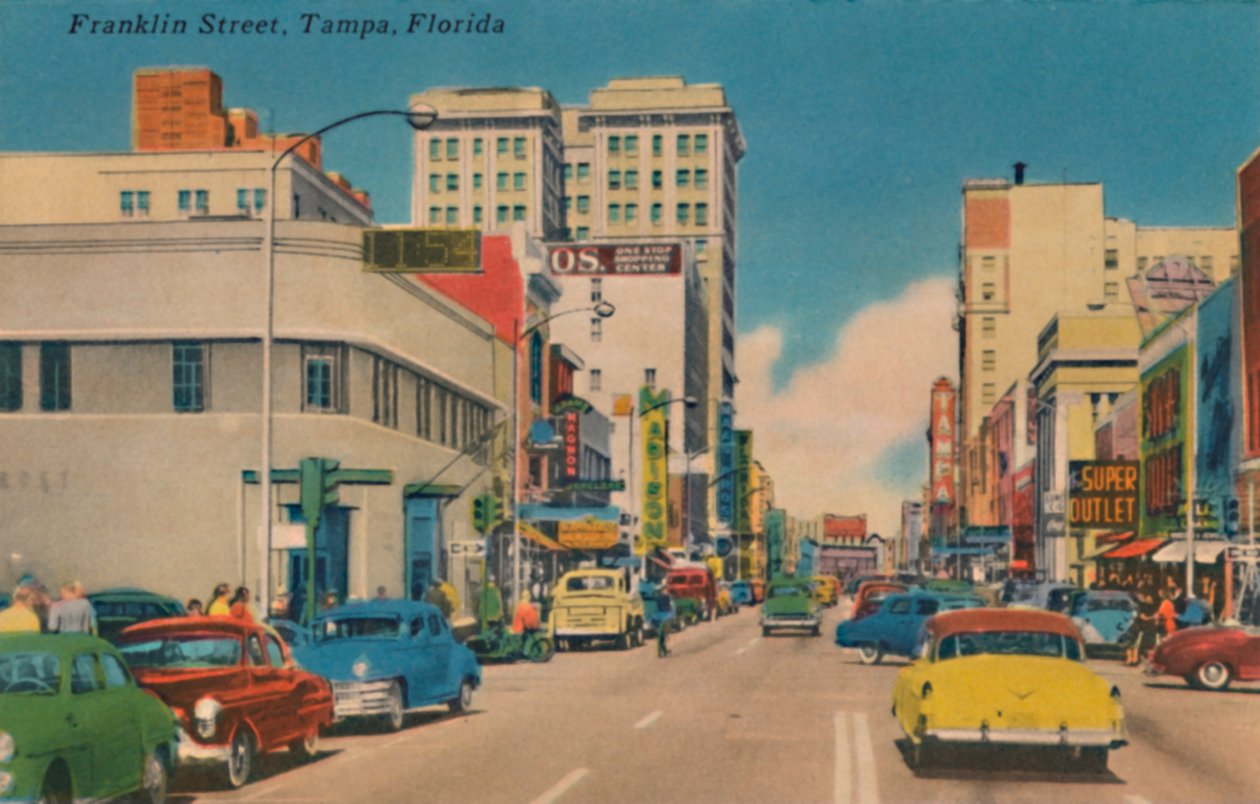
734, 716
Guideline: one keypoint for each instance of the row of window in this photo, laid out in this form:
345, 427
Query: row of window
596, 377
135, 203
682, 178
502, 214
682, 212
451, 183
683, 144
451, 152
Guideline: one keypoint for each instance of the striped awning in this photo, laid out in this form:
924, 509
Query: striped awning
1134, 549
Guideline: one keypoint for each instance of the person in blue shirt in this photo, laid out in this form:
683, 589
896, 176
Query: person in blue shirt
664, 619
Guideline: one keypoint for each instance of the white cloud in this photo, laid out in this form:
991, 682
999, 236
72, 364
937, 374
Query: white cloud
822, 436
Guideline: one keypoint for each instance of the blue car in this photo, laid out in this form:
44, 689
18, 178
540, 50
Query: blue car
1104, 617
741, 593
293, 634
387, 657
894, 629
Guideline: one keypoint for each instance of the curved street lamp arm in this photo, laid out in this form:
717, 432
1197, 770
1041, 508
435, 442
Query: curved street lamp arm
603, 310
331, 126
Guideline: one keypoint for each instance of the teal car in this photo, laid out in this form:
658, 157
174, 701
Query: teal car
790, 604
74, 725
117, 609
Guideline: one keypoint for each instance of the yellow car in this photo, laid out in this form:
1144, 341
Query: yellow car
1003, 677
824, 587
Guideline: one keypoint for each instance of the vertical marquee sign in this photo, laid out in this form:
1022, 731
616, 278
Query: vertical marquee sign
726, 464
654, 518
743, 481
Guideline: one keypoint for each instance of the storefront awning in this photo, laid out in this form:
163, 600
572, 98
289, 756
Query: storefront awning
1204, 552
556, 513
1134, 549
1113, 538
538, 537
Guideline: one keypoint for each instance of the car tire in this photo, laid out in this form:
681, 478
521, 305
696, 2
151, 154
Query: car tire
308, 746
624, 640
540, 649
816, 632
240, 763
1094, 759
870, 653
154, 778
57, 788
463, 701
396, 715
710, 614
765, 631
1213, 675
921, 755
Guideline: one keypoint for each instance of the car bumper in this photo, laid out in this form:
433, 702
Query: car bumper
790, 622
191, 752
1102, 738
360, 698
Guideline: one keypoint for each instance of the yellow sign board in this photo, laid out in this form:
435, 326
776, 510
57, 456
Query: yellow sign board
587, 534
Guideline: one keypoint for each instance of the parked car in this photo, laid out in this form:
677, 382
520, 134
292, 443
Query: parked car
870, 596
1003, 677
1209, 657
388, 657
595, 604
293, 634
741, 593
1105, 617
789, 604
696, 583
894, 628
118, 608
949, 585
824, 589
75, 725
853, 584
233, 687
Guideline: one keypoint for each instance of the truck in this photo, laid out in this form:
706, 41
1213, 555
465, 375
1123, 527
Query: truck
596, 605
694, 590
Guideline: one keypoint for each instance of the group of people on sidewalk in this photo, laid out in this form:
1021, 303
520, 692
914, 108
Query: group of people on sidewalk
34, 610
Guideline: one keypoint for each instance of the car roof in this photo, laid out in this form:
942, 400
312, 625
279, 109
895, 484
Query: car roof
382, 608
986, 619
49, 643
230, 625
131, 593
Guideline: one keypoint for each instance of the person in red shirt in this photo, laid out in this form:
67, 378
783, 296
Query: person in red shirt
525, 618
239, 606
1167, 612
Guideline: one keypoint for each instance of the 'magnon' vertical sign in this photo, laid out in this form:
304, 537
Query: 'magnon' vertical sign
726, 464
654, 519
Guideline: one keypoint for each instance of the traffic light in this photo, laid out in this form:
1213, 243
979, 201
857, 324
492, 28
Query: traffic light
319, 486
1231, 517
485, 512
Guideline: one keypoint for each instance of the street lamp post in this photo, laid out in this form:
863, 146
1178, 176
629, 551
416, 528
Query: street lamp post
419, 117
686, 517
603, 309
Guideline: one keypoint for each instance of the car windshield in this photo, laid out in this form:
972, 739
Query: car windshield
358, 628
29, 673
1009, 643
137, 610
786, 591
1108, 604
586, 583
184, 651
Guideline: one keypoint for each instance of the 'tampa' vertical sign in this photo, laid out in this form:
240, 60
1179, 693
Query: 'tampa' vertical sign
654, 517
726, 463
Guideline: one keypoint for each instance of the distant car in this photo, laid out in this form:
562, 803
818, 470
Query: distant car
741, 593
950, 585
725, 602
824, 590
1006, 677
694, 582
1209, 657
789, 604
233, 687
385, 658
75, 725
117, 609
293, 634
894, 628
1105, 618
870, 596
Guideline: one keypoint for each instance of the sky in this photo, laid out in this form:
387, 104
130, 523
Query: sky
862, 119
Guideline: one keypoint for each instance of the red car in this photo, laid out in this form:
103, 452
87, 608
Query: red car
233, 687
1209, 657
870, 596
696, 583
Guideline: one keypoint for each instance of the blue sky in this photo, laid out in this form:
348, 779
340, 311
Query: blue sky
862, 118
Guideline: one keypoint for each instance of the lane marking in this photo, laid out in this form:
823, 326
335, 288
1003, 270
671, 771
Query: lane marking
751, 644
648, 721
561, 787
1136, 800
843, 770
867, 778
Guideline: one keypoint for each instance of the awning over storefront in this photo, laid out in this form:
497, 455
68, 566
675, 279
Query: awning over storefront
1204, 552
1113, 538
538, 537
555, 513
1134, 549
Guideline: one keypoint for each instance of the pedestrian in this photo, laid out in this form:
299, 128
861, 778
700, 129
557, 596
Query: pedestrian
1146, 628
451, 595
491, 606
1167, 613
1207, 593
73, 613
330, 600
193, 608
238, 607
525, 618
438, 598
664, 619
381, 594
220, 602
21, 615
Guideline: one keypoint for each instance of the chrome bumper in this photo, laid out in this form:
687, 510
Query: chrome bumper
791, 622
1082, 737
357, 698
192, 752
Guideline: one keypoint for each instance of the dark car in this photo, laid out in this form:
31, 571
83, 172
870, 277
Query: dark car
1209, 657
894, 628
117, 609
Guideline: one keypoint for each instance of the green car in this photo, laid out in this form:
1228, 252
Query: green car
790, 604
74, 726
118, 608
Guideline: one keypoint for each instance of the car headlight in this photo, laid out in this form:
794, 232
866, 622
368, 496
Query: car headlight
7, 748
206, 711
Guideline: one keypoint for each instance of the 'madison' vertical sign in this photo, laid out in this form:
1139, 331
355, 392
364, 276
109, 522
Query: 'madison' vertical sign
654, 519
726, 464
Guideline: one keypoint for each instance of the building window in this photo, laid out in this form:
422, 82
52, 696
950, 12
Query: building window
988, 327
126, 203
988, 291
501, 181
568, 203
452, 149
476, 181
518, 147
597, 380
988, 264
1111, 259
702, 214
632, 144
501, 145
988, 391
584, 171
684, 144
632, 213
1111, 291
584, 204
435, 215
657, 139
988, 360
649, 377
297, 206
477, 213
518, 181
188, 380
435, 182
597, 330
583, 232
54, 376
684, 213
260, 200
702, 143
435, 150
536, 368
501, 214
424, 404
597, 290
682, 178
657, 179
656, 213
384, 392
185, 201
702, 246
321, 378
452, 181
518, 212
203, 202
477, 146
632, 179
614, 213
702, 179
614, 180
10, 376
614, 144
452, 216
